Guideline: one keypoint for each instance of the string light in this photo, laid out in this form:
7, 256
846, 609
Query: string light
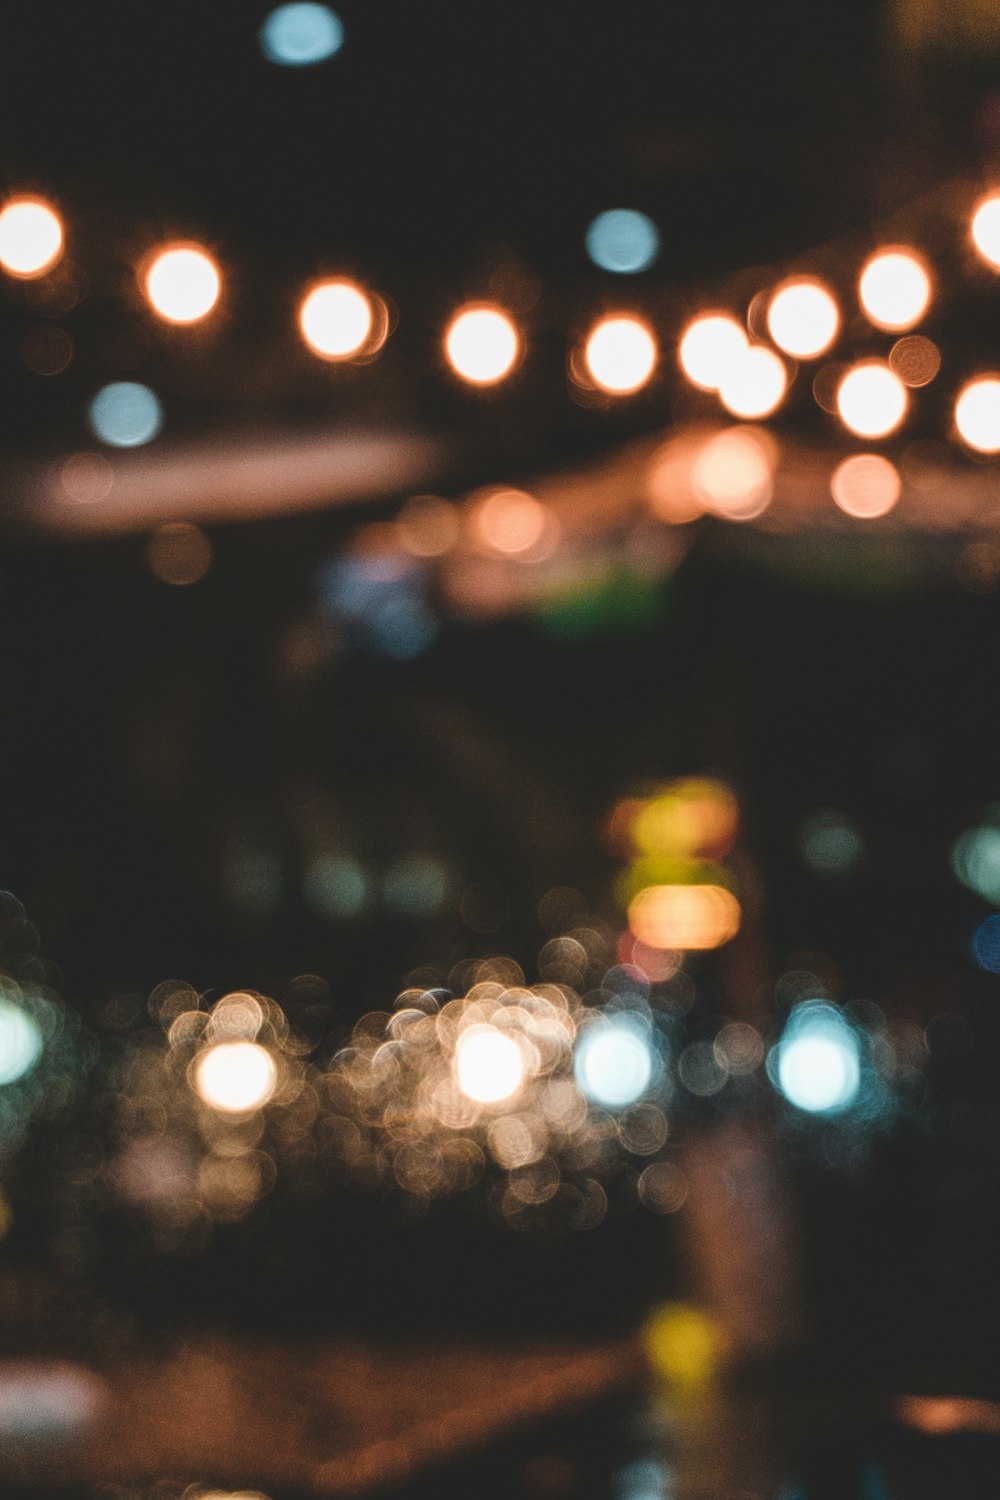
336, 319
986, 229
871, 400
895, 289
802, 318
183, 284
482, 345
977, 414
621, 355
709, 348
755, 384
31, 237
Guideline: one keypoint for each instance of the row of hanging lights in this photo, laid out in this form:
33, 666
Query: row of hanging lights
338, 319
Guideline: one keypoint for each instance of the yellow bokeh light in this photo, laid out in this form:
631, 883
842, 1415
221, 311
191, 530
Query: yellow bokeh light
489, 1065
803, 318
755, 384
693, 818
986, 229
31, 237
733, 475
482, 345
684, 916
709, 348
336, 319
866, 485
182, 284
977, 414
895, 289
871, 400
235, 1077
621, 355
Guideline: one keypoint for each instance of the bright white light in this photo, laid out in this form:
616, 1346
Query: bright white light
336, 319
623, 240
977, 415
803, 319
20, 1042
183, 284
614, 1062
621, 355
31, 237
754, 384
894, 289
489, 1063
482, 344
818, 1065
986, 229
871, 400
709, 349
300, 35
125, 414
236, 1076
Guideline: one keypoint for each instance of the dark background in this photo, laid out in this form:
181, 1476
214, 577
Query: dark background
153, 736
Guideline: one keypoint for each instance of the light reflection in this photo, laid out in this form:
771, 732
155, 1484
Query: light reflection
621, 354
510, 522
31, 237
183, 284
733, 475
684, 916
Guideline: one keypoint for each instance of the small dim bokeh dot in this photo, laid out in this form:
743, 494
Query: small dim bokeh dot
179, 553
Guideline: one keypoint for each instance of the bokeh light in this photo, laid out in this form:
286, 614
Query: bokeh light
915, 359
482, 345
182, 284
871, 400
31, 237
20, 1042
613, 1062
986, 945
336, 319
489, 1065
817, 1063
684, 916
975, 859
802, 318
623, 240
986, 229
895, 289
733, 475
829, 842
125, 414
709, 349
621, 355
754, 384
302, 34
977, 414
179, 553
866, 485
428, 526
235, 1077
510, 522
